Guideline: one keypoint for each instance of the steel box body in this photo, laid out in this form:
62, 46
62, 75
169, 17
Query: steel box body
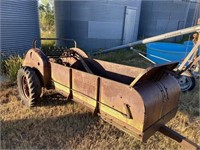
144, 101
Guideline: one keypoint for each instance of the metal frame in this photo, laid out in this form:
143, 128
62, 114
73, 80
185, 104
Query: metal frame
123, 96
57, 39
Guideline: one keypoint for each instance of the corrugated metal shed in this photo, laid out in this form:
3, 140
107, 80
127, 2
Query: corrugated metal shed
158, 17
98, 24
193, 14
19, 25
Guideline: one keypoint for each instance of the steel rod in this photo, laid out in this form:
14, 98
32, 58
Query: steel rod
57, 39
178, 138
156, 38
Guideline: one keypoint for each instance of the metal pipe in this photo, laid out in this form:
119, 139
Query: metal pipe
142, 55
156, 38
139, 53
58, 39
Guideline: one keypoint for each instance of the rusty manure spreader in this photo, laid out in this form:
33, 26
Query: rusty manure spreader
135, 100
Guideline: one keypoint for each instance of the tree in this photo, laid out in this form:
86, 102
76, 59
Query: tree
46, 11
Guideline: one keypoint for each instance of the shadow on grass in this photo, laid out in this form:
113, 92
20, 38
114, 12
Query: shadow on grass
8, 84
52, 99
47, 133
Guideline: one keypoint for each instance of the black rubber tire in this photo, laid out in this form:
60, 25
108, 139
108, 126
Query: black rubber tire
188, 84
29, 86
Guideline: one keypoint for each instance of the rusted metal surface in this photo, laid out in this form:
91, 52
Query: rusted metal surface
130, 105
162, 98
113, 98
84, 83
36, 59
124, 70
153, 73
70, 56
159, 123
137, 101
62, 77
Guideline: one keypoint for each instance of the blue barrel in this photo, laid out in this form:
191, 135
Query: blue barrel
161, 52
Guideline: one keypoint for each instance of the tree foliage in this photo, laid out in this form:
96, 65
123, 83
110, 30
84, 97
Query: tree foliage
46, 11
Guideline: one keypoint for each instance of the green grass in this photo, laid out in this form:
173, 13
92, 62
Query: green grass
126, 57
10, 67
59, 124
47, 44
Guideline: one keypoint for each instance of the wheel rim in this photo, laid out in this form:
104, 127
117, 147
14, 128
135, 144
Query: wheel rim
25, 87
185, 83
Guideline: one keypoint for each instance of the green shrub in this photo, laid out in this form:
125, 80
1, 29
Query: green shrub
12, 65
2, 67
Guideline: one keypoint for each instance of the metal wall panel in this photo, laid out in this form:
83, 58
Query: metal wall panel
94, 24
91, 45
19, 26
105, 30
194, 12
159, 17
